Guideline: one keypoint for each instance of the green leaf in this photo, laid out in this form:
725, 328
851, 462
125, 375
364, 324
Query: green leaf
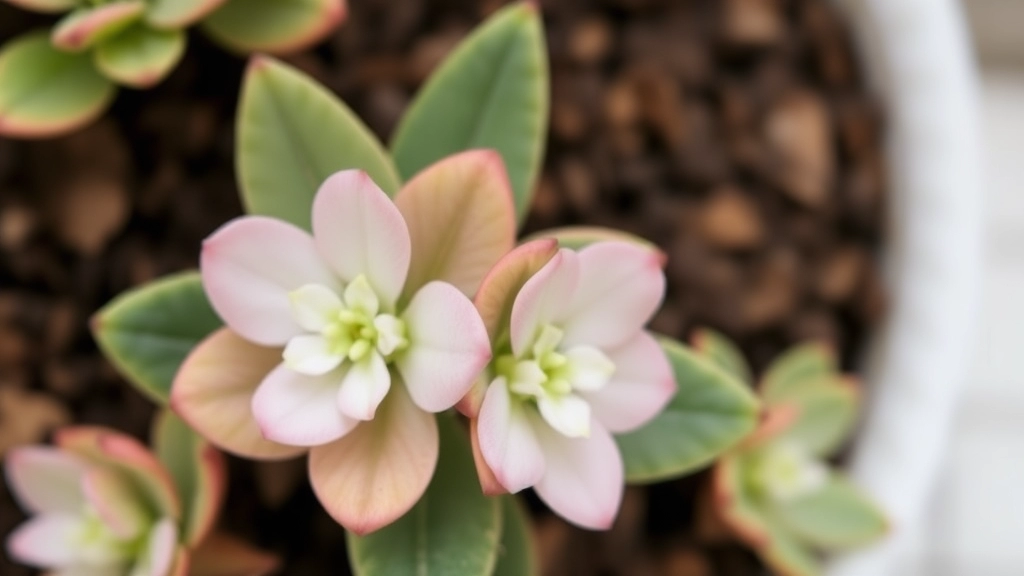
277, 26
148, 332
492, 92
836, 517
292, 135
88, 26
177, 14
45, 6
800, 366
723, 352
577, 237
788, 555
826, 414
516, 556
710, 413
140, 57
45, 92
197, 470
454, 529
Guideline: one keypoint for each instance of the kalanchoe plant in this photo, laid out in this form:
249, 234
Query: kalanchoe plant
104, 505
349, 320
54, 83
776, 491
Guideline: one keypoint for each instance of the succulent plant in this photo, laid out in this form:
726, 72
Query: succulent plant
777, 491
53, 83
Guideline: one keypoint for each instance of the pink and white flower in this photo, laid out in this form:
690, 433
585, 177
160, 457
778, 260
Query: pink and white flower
577, 368
344, 342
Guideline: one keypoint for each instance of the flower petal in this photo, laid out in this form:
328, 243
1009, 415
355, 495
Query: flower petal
113, 497
314, 306
44, 479
250, 265
359, 295
300, 410
461, 219
364, 387
46, 541
620, 286
544, 298
358, 230
568, 414
640, 388
507, 441
311, 354
158, 556
489, 483
213, 393
376, 473
589, 368
501, 285
448, 347
583, 480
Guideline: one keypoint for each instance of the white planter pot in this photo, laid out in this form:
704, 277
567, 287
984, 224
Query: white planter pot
919, 58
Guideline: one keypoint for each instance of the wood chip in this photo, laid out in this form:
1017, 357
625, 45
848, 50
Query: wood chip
799, 130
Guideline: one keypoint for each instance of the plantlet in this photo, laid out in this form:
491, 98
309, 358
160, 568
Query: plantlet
776, 491
104, 504
54, 83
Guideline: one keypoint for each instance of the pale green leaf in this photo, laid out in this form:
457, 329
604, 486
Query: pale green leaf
491, 92
723, 352
88, 26
838, 516
516, 555
177, 14
45, 6
292, 135
197, 469
275, 26
826, 415
800, 366
140, 57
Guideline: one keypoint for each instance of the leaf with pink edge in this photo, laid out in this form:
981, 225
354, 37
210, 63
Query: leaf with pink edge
177, 14
45, 92
502, 284
221, 554
140, 56
578, 237
800, 366
292, 135
723, 352
710, 413
825, 414
733, 503
274, 26
198, 470
45, 6
148, 332
836, 517
461, 220
454, 529
88, 26
788, 556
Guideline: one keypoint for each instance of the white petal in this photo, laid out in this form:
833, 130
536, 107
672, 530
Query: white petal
507, 441
46, 541
583, 480
548, 340
620, 286
390, 333
359, 230
359, 295
300, 410
250, 265
448, 347
568, 414
158, 556
314, 306
642, 385
588, 369
46, 479
528, 378
364, 387
311, 355
544, 299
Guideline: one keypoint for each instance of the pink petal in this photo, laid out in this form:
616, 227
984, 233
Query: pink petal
488, 481
161, 547
507, 441
620, 287
376, 473
501, 285
448, 347
213, 392
300, 410
250, 265
643, 383
544, 298
583, 480
46, 541
461, 219
45, 479
113, 497
364, 387
358, 230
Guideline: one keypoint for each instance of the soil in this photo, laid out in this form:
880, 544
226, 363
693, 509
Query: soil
737, 134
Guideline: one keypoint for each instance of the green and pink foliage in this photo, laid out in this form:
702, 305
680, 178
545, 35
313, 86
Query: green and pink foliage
101, 503
776, 491
53, 85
